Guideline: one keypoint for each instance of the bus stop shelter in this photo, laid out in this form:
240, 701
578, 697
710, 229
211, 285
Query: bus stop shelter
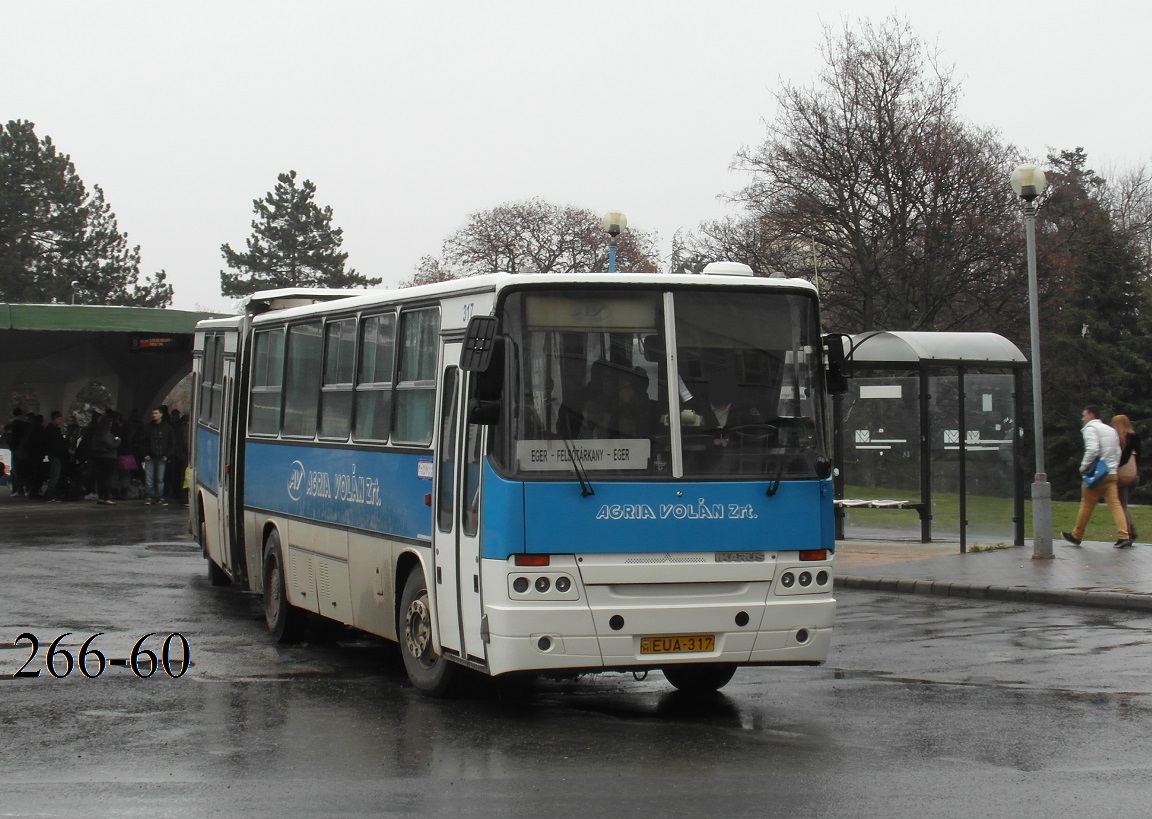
928, 437
72, 357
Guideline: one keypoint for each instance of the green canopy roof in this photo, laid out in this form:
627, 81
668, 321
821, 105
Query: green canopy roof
91, 318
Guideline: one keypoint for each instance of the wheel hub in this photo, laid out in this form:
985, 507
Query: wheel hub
417, 634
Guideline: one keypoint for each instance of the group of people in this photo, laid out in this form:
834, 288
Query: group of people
1118, 447
56, 461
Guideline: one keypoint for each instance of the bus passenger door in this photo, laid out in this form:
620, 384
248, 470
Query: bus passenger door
468, 526
231, 548
444, 583
219, 369
456, 542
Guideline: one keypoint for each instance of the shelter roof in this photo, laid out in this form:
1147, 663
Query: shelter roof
93, 318
899, 347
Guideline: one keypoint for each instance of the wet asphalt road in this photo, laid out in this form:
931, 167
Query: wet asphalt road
927, 707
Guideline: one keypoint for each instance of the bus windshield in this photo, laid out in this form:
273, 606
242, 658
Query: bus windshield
598, 385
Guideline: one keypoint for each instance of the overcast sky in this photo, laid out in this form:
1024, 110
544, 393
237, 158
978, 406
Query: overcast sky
409, 116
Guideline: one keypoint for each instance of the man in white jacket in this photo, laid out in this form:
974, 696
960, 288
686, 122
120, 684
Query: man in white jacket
1100, 441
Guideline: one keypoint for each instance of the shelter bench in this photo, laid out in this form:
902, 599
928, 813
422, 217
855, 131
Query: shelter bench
922, 509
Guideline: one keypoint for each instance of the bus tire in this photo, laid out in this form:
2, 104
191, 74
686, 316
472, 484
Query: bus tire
285, 622
702, 678
216, 575
428, 671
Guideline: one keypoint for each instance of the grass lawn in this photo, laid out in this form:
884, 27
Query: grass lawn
946, 507
1100, 527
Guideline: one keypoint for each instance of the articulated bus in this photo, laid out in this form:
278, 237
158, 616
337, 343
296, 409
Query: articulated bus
528, 473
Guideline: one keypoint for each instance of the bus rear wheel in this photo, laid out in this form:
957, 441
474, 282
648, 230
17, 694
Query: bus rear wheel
284, 621
704, 678
216, 575
428, 671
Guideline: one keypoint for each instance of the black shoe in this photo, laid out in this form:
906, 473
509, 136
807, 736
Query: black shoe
1131, 534
1124, 544
1068, 536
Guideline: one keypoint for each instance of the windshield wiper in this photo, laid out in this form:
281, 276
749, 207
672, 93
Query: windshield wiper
774, 484
578, 467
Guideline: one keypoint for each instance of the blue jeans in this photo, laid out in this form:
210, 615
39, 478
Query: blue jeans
154, 478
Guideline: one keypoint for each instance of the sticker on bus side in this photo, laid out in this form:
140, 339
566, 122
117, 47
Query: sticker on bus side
424, 469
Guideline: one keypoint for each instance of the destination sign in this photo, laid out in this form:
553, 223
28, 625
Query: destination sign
598, 453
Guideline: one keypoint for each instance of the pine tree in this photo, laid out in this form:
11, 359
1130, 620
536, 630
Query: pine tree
293, 244
57, 242
1095, 313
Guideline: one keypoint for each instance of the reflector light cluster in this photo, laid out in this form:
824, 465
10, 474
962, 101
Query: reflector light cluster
543, 586
804, 581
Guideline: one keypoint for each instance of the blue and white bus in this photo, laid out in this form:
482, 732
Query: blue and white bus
528, 473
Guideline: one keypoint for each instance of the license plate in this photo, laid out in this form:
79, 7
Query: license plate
678, 644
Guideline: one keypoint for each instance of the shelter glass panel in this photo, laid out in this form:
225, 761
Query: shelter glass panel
988, 429
881, 428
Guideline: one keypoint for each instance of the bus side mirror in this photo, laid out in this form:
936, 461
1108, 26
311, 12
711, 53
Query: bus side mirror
479, 342
485, 405
837, 369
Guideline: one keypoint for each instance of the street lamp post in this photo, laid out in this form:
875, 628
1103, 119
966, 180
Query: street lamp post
613, 223
1028, 182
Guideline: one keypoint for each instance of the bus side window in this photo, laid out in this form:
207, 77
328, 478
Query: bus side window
336, 392
373, 411
416, 380
267, 382
302, 384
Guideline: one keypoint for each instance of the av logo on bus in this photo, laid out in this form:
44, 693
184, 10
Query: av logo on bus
339, 487
296, 480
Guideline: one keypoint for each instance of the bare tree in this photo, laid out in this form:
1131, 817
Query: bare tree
755, 240
1128, 198
869, 174
430, 270
538, 237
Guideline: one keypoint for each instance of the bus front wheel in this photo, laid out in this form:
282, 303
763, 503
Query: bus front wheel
704, 678
429, 672
284, 620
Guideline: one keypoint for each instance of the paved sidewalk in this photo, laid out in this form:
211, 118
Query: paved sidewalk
1094, 574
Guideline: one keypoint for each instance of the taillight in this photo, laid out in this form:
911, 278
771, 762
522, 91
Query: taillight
532, 560
814, 554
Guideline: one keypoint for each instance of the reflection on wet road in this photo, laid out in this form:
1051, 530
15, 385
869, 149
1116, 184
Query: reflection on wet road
928, 706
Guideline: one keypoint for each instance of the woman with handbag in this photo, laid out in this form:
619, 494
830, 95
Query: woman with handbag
1128, 473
